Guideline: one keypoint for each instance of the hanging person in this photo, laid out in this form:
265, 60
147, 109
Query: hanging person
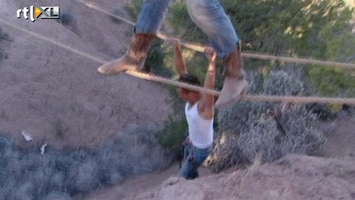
199, 112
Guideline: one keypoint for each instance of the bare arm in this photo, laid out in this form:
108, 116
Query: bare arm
206, 104
178, 59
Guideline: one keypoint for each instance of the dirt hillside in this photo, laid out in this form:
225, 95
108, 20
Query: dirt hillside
56, 95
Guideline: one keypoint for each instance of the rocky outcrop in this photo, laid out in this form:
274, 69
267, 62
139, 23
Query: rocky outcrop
293, 177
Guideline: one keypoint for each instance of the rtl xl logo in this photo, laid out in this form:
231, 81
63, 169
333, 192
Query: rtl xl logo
41, 12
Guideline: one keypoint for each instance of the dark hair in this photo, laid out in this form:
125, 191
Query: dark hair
190, 79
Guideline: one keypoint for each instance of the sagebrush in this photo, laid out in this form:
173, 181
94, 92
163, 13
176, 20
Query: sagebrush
59, 174
269, 130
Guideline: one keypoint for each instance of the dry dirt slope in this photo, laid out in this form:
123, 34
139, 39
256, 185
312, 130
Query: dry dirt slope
56, 95
293, 177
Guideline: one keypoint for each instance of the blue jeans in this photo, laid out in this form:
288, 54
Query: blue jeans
193, 159
208, 15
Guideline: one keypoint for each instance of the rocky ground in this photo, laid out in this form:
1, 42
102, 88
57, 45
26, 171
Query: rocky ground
329, 174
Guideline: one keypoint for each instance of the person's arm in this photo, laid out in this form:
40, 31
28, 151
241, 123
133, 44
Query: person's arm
206, 103
178, 59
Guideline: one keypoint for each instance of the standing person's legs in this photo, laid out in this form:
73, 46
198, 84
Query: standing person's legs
148, 24
211, 18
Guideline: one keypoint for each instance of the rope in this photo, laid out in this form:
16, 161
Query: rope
201, 48
292, 99
160, 35
91, 5
300, 60
47, 39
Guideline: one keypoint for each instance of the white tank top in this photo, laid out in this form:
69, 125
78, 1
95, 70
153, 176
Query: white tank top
200, 130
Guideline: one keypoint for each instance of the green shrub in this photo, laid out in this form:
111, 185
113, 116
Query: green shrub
173, 135
332, 82
156, 60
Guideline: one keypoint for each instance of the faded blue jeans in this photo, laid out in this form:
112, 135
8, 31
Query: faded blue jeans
193, 159
208, 15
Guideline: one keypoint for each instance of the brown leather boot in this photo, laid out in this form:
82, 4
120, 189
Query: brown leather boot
234, 84
133, 59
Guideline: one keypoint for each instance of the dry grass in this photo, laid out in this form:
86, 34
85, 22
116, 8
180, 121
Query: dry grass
269, 130
76, 173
